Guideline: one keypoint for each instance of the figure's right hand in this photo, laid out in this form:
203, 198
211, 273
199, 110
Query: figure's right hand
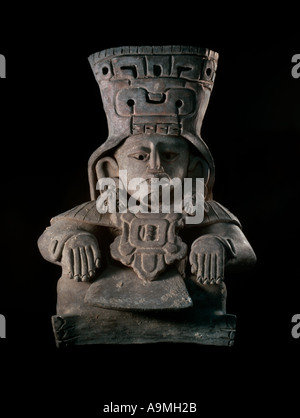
81, 257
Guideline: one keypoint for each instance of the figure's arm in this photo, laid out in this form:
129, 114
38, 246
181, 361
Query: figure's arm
72, 245
220, 245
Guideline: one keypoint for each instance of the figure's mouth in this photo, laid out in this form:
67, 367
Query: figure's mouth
156, 175
156, 170
155, 197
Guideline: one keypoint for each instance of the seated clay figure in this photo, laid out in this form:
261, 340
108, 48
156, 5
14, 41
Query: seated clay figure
138, 276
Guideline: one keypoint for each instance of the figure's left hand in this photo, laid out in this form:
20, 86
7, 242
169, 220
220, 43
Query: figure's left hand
208, 259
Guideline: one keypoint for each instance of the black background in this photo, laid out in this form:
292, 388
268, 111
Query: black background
52, 120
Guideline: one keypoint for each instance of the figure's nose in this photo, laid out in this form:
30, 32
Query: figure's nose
154, 165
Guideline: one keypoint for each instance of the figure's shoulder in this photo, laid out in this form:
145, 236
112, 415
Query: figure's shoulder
85, 212
215, 212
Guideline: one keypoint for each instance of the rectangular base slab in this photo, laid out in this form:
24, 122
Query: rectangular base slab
117, 327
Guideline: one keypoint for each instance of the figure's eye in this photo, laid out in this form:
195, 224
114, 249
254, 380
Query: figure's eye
169, 155
141, 156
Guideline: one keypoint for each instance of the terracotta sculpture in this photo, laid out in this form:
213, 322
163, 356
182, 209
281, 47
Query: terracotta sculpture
131, 274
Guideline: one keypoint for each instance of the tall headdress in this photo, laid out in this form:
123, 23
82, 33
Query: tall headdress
154, 90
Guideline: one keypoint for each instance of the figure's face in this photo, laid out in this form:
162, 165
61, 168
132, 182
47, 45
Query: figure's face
153, 156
